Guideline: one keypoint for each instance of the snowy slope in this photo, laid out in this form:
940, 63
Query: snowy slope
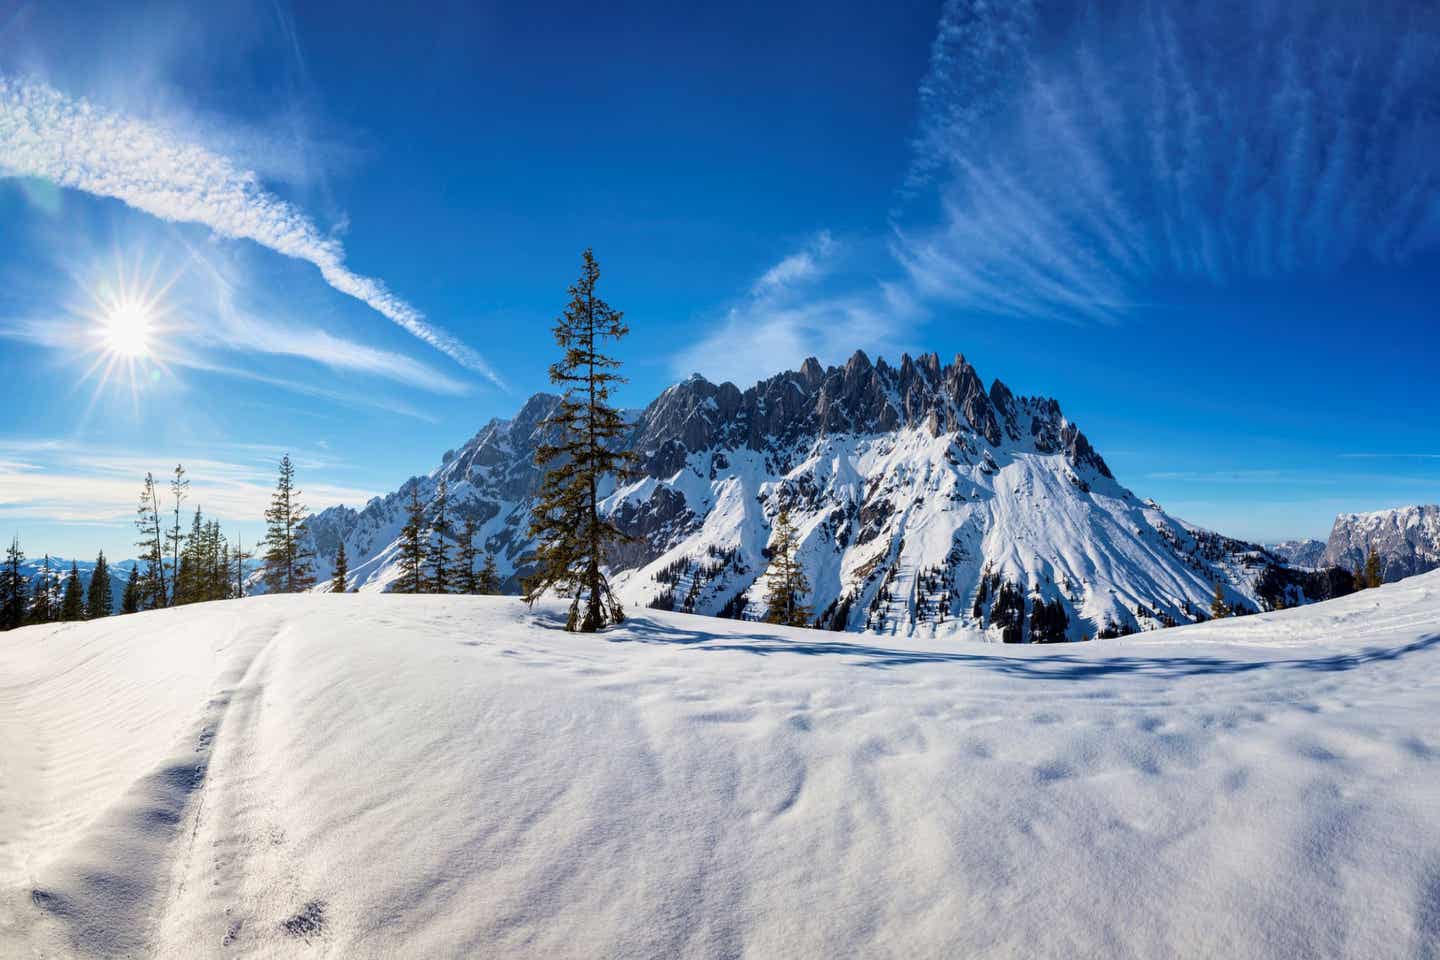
382, 776
912, 487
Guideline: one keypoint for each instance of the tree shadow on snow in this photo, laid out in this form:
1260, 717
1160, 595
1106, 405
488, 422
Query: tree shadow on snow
1057, 666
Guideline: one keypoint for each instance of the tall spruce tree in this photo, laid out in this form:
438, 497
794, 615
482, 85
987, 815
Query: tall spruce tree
100, 597
189, 565
152, 546
437, 546
288, 566
179, 489
411, 562
72, 605
342, 570
579, 452
132, 598
787, 587
42, 595
12, 587
467, 577
489, 579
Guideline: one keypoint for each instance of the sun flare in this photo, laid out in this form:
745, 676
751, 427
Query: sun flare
126, 329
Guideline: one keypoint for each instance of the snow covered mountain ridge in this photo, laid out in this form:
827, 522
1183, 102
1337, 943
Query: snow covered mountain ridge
925, 502
1406, 539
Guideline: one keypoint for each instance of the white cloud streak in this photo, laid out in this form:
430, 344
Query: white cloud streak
77, 145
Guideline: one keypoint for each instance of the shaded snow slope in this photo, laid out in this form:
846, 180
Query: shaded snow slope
379, 775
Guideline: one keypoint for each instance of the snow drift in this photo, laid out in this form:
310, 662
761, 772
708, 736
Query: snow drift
382, 775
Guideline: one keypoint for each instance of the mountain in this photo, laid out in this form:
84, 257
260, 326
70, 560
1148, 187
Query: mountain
1300, 553
923, 500
1407, 540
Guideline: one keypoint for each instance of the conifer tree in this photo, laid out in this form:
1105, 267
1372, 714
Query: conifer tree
580, 452
152, 546
1218, 607
179, 489
411, 563
787, 587
437, 549
12, 587
468, 577
42, 602
1373, 577
238, 558
189, 566
287, 558
72, 606
342, 570
130, 600
99, 599
217, 563
489, 578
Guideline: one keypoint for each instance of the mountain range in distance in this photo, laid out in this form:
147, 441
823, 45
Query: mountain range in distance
924, 500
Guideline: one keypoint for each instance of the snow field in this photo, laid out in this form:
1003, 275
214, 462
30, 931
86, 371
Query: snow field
379, 775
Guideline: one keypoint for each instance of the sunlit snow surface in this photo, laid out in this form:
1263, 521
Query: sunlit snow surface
385, 776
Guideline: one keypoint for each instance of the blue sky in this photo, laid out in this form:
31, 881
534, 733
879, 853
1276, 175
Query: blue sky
1211, 234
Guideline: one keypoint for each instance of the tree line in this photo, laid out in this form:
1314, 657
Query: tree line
426, 564
178, 563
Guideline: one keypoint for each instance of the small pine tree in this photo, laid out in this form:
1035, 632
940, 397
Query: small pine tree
238, 558
411, 563
579, 453
342, 571
152, 546
437, 547
287, 557
179, 487
1373, 577
72, 606
1218, 607
468, 576
131, 599
99, 598
42, 603
787, 587
12, 587
489, 577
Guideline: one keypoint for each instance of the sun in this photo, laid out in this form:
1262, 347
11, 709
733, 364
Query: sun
125, 327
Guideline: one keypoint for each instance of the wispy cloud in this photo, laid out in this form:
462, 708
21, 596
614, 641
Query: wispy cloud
799, 267
785, 318
57, 482
1088, 155
78, 145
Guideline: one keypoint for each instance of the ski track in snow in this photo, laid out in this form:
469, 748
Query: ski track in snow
379, 776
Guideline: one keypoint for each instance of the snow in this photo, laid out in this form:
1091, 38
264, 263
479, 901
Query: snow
379, 775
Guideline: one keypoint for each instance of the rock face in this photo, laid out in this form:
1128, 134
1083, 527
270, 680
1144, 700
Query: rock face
1300, 553
1407, 540
917, 492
